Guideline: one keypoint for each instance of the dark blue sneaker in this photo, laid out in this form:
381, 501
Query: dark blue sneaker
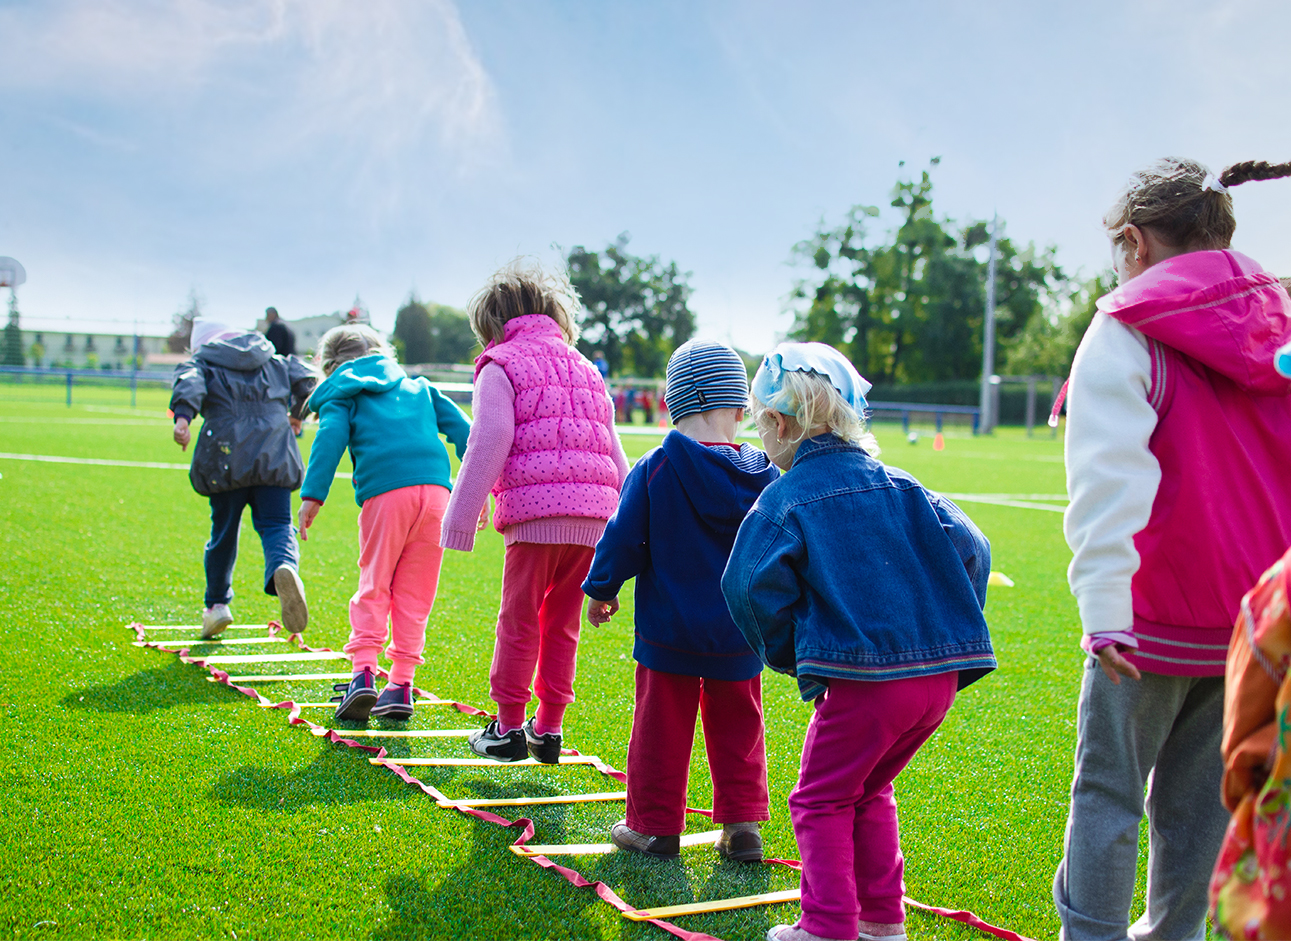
357, 697
395, 702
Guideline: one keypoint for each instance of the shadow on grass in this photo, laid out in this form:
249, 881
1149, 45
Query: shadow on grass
148, 691
334, 777
464, 905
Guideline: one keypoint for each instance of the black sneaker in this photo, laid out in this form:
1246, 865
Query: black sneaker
545, 748
395, 702
489, 742
357, 697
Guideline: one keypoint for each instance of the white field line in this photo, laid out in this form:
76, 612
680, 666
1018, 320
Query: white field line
1021, 501
130, 422
103, 462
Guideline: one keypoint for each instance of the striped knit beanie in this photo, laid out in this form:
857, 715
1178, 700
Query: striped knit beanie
704, 375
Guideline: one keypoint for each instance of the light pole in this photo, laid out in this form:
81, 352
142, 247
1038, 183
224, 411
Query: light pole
988, 417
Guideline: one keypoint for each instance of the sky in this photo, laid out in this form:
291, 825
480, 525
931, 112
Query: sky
301, 153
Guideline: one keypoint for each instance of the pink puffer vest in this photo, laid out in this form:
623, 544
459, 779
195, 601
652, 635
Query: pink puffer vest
560, 463
1222, 513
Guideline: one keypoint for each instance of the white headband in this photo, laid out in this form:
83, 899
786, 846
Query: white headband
1211, 182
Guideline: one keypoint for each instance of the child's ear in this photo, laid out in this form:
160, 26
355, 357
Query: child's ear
781, 425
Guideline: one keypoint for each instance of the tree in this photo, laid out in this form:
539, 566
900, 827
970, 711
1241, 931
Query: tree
13, 334
635, 310
182, 334
432, 333
910, 308
1047, 344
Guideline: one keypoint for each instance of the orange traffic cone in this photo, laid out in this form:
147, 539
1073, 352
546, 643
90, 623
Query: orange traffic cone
939, 443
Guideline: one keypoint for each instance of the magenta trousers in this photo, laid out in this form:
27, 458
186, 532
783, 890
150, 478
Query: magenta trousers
844, 813
542, 605
399, 558
663, 734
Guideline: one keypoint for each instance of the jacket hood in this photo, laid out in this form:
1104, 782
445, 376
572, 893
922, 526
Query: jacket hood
720, 492
1218, 307
246, 352
374, 373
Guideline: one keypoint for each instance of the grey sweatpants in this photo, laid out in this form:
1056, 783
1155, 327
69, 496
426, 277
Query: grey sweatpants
1162, 733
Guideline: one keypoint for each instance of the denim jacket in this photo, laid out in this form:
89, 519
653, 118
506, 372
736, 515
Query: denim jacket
848, 568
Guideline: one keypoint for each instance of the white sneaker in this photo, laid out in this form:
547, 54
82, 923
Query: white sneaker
215, 619
291, 596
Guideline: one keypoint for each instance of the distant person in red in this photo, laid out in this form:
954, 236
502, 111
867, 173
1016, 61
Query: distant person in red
279, 334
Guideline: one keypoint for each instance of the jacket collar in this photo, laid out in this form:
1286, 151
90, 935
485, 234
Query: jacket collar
821, 444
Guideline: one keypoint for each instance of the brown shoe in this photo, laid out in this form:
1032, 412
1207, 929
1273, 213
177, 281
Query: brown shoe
741, 842
660, 847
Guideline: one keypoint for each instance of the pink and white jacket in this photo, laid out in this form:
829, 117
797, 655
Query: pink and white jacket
545, 444
1178, 446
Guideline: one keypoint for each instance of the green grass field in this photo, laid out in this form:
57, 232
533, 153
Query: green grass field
143, 801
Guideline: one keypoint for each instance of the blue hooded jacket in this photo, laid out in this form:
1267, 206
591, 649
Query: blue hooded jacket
390, 423
680, 509
849, 568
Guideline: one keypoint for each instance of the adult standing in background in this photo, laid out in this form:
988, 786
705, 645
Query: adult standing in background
279, 334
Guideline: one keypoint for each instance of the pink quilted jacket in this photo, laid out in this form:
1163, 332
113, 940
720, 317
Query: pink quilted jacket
560, 462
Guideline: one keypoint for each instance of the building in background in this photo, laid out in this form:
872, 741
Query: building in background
106, 351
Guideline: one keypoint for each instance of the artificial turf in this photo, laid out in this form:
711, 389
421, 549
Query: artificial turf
143, 801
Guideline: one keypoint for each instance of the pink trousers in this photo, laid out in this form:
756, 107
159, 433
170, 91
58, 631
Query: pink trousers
844, 814
399, 558
538, 623
663, 734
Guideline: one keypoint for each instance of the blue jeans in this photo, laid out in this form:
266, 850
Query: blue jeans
271, 517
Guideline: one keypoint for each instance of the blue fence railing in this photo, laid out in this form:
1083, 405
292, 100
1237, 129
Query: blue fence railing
905, 409
96, 377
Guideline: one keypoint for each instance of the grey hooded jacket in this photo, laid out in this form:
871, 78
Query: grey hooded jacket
243, 392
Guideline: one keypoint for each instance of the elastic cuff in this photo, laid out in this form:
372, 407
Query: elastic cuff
402, 672
455, 539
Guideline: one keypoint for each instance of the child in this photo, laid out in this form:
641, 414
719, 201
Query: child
1176, 464
391, 424
869, 589
681, 506
245, 455
543, 442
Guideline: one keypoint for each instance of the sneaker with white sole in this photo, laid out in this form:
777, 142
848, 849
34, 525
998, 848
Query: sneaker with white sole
291, 596
491, 742
357, 696
395, 702
545, 747
215, 619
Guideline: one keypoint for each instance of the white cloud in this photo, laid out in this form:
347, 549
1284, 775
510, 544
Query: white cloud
386, 73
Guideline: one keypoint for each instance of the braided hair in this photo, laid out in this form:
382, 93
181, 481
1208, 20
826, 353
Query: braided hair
1173, 198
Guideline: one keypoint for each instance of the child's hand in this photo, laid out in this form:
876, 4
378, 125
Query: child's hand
296, 426
1116, 666
599, 612
484, 517
182, 434
308, 510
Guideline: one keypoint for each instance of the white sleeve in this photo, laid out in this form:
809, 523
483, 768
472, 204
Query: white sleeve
1112, 476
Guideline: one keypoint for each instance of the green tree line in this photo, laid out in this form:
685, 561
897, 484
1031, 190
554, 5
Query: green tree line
908, 307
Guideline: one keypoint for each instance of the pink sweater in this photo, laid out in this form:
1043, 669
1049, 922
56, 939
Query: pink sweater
487, 450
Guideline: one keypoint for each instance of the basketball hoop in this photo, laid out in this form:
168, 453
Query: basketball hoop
11, 273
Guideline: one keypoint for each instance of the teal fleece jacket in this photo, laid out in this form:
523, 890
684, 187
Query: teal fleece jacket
391, 423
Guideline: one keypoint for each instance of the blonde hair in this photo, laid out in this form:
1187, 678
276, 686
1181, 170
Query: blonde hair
815, 402
346, 342
517, 290
1171, 197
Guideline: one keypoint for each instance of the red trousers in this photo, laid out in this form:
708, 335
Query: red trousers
663, 734
542, 605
